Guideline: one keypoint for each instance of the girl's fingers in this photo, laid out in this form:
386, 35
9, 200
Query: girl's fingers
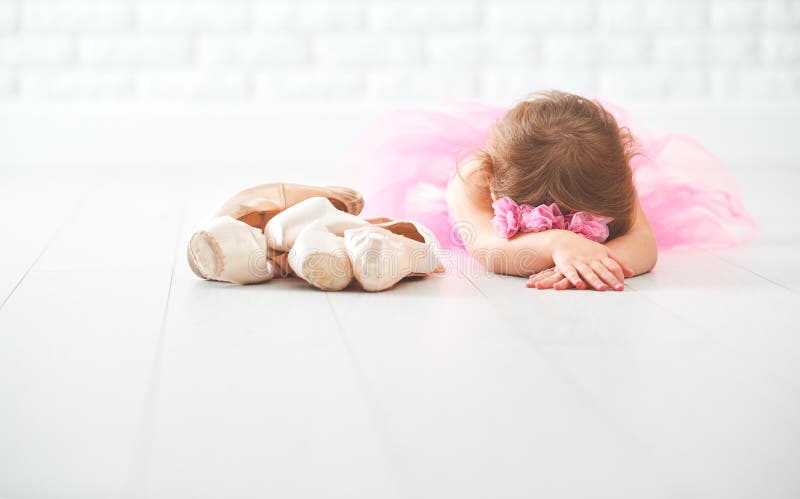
588, 274
543, 274
605, 274
549, 281
544, 279
562, 284
572, 275
627, 271
614, 268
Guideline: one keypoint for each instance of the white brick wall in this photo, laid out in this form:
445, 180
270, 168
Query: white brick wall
385, 50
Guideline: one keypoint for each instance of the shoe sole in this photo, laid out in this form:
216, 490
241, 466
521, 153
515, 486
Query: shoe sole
203, 243
327, 271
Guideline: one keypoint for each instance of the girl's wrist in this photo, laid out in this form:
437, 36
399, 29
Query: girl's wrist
560, 238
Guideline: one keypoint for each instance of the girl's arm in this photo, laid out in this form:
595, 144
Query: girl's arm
525, 254
637, 247
577, 260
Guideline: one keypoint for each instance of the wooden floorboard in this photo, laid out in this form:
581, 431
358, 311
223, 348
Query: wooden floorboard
684, 395
77, 339
123, 374
32, 210
253, 394
472, 410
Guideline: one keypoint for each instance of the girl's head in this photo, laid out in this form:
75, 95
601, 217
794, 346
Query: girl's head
561, 148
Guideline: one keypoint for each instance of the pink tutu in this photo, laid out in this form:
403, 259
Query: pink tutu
404, 160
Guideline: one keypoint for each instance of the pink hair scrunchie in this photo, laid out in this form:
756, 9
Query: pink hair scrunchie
510, 218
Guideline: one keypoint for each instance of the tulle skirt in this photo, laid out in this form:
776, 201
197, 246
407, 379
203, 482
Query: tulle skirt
403, 161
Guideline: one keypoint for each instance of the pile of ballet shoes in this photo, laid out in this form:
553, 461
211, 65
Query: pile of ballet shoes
280, 229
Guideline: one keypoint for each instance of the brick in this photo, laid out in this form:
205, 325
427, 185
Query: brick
8, 17
433, 16
36, 49
75, 17
720, 83
766, 84
272, 16
680, 50
425, 84
781, 49
7, 85
510, 50
190, 84
699, 50
338, 16
620, 15
135, 50
75, 84
455, 51
756, 84
782, 14
468, 51
594, 50
675, 15
733, 49
508, 86
309, 84
250, 50
193, 16
653, 84
367, 50
569, 50
624, 50
536, 16
728, 14
315, 16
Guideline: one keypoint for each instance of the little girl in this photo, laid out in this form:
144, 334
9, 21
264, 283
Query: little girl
561, 188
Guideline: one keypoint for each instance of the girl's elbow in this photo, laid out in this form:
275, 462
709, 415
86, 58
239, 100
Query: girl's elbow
489, 257
652, 254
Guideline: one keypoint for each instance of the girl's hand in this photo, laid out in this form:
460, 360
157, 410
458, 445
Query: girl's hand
579, 261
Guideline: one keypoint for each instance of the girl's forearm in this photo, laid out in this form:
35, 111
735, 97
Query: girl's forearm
637, 249
524, 254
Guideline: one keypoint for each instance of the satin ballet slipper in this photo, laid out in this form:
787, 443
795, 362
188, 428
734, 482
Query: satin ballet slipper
257, 205
226, 249
281, 261
319, 256
383, 254
283, 229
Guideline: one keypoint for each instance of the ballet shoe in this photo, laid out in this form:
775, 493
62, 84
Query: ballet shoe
382, 254
283, 229
281, 262
318, 255
256, 205
227, 249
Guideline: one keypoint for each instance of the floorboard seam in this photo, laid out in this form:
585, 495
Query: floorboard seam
377, 412
581, 394
742, 267
78, 205
144, 441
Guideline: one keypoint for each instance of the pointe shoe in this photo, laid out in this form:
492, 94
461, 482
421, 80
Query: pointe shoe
383, 254
283, 229
319, 256
226, 249
257, 205
281, 262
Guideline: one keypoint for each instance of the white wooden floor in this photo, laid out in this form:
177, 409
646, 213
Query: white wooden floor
123, 375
